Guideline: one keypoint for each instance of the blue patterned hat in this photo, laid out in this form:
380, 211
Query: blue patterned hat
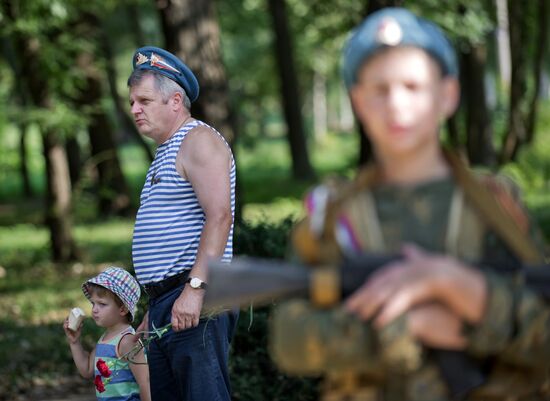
391, 27
165, 63
119, 282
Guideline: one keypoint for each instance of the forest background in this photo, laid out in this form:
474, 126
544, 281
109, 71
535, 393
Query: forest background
72, 163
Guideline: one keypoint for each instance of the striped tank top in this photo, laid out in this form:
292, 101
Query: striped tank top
170, 219
121, 385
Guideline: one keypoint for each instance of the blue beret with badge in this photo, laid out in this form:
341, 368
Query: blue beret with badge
165, 63
391, 27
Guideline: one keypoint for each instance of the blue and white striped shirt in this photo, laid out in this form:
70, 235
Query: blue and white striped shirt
170, 219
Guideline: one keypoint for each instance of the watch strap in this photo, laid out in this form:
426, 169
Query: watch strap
202, 284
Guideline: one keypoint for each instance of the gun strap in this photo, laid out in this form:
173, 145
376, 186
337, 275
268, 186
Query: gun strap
492, 212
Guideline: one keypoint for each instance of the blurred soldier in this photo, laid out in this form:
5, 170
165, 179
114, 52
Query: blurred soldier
185, 218
419, 201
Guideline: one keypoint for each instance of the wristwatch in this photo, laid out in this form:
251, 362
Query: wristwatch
196, 283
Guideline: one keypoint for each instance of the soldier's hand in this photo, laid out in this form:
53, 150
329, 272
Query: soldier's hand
420, 278
436, 326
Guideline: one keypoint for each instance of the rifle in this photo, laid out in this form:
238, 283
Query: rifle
262, 281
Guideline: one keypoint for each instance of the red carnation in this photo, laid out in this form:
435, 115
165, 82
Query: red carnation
99, 384
103, 368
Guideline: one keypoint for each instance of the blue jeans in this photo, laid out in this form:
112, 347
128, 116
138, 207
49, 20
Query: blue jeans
189, 365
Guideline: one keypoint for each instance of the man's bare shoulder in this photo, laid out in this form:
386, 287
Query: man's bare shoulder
202, 141
202, 148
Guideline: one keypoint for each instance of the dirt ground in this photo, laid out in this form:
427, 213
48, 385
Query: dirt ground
82, 397
72, 388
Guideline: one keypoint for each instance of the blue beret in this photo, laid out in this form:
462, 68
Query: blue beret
165, 63
391, 27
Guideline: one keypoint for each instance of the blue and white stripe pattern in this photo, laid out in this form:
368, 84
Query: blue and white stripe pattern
122, 385
170, 219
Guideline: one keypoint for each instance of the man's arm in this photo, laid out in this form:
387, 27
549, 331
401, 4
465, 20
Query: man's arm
205, 161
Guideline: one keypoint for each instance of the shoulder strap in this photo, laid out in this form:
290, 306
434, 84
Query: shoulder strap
492, 212
128, 331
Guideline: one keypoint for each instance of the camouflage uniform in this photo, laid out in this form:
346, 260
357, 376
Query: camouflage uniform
512, 343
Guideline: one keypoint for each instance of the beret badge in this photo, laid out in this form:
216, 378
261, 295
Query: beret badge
389, 32
159, 62
141, 58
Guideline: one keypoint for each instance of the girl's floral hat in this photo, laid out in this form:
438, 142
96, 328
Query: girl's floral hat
119, 282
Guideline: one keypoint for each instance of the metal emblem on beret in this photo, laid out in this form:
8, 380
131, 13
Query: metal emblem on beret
389, 32
141, 58
159, 62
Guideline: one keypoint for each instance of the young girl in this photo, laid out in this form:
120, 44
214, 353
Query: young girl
114, 294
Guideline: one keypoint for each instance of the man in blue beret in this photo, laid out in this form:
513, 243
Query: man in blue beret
184, 219
419, 201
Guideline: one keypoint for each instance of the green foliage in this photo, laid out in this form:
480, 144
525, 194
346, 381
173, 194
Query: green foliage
468, 22
268, 240
531, 171
253, 375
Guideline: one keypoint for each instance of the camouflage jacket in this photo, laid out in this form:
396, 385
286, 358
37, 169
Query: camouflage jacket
511, 344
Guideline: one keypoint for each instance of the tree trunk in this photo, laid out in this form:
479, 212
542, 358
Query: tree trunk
132, 11
113, 195
112, 192
58, 192
319, 105
452, 129
74, 159
127, 124
191, 32
23, 167
516, 133
541, 42
346, 119
58, 199
301, 166
503, 42
479, 131
20, 95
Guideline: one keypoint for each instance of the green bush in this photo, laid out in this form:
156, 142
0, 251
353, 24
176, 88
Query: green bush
253, 374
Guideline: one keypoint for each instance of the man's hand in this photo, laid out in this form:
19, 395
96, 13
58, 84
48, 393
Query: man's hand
187, 308
143, 327
417, 279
